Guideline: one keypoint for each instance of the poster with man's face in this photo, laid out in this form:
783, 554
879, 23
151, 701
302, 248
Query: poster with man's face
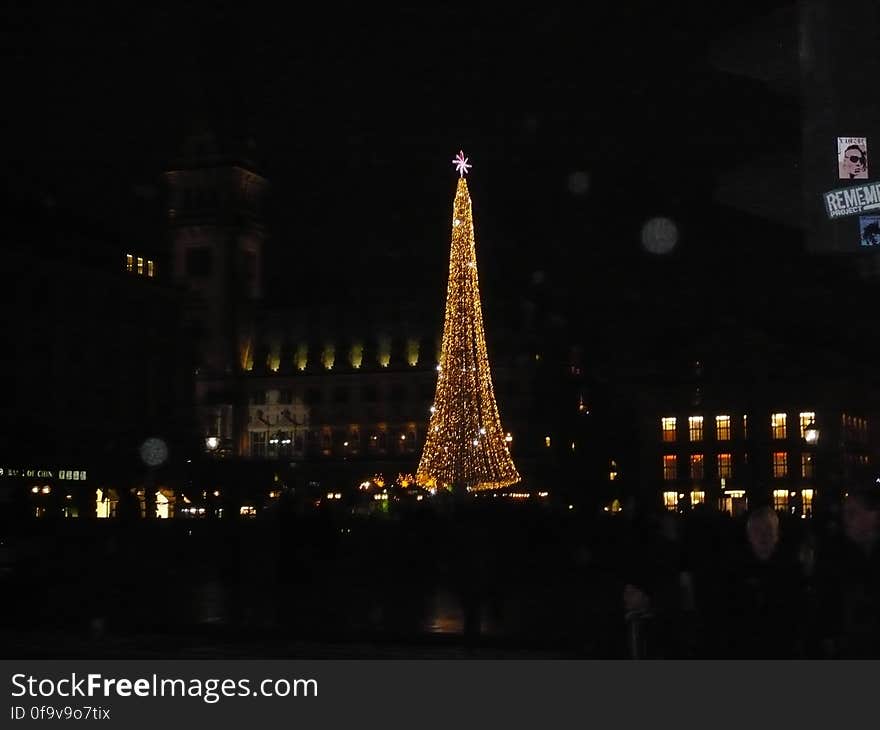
869, 231
852, 158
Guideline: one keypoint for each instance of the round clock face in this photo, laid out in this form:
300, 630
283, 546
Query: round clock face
154, 451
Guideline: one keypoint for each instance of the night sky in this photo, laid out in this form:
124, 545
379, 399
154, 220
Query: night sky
580, 125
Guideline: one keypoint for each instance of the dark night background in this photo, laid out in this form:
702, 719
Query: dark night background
356, 117
581, 125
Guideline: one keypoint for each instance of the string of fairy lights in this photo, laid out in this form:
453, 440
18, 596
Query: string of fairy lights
465, 446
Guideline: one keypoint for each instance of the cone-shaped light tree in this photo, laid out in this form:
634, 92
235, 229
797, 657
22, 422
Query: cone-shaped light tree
465, 448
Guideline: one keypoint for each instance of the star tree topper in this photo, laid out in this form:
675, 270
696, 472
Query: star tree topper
461, 164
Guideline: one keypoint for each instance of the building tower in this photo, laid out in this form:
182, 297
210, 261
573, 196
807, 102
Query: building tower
465, 447
215, 199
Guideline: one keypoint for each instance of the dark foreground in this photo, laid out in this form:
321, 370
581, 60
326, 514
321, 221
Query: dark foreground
515, 581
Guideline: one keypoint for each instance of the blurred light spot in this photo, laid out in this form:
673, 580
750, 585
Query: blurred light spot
579, 182
659, 235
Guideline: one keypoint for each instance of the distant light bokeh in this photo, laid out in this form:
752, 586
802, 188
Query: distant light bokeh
659, 235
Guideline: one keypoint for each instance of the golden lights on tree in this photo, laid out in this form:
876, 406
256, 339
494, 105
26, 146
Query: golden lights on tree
465, 447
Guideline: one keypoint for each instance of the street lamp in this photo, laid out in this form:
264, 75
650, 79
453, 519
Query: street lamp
811, 437
212, 442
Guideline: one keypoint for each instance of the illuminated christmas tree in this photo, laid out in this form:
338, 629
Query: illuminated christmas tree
465, 447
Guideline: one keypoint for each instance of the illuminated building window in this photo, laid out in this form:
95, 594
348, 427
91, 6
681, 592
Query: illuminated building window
258, 444
129, 262
547, 441
612, 472
163, 506
780, 464
777, 426
670, 500
807, 501
383, 355
806, 418
140, 263
248, 511
697, 497
328, 356
725, 468
356, 355
745, 427
412, 352
273, 359
151, 268
807, 466
780, 499
696, 467
695, 424
670, 468
105, 503
302, 356
722, 428
667, 426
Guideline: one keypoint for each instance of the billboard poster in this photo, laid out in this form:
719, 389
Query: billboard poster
852, 200
852, 158
869, 231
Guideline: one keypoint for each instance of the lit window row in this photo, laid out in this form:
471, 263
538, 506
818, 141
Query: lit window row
783, 499
670, 467
855, 428
140, 265
329, 355
724, 465
668, 426
778, 426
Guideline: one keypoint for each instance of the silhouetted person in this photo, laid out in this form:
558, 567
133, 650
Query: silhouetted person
850, 581
760, 619
658, 596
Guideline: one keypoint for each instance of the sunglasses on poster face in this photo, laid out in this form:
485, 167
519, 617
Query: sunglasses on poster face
855, 159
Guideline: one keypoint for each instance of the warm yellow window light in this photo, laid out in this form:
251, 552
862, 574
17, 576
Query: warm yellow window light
780, 464
328, 356
670, 468
778, 426
356, 355
725, 468
806, 418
